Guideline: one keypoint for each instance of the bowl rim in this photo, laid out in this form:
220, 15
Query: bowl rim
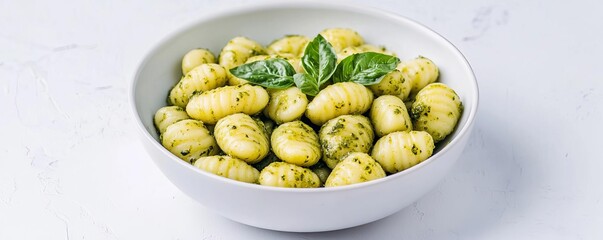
359, 8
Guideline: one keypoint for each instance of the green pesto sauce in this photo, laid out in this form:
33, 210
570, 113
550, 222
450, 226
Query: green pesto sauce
415, 150
338, 127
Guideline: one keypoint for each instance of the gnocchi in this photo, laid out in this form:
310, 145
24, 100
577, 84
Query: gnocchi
401, 150
345, 134
282, 174
361, 49
257, 58
239, 136
196, 57
297, 65
355, 168
299, 133
286, 105
167, 116
296, 143
189, 139
289, 46
339, 99
341, 38
215, 104
420, 72
228, 167
436, 110
389, 114
236, 52
201, 78
393, 83
265, 124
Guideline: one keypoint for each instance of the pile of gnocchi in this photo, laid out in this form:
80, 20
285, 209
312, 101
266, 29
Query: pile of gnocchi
347, 133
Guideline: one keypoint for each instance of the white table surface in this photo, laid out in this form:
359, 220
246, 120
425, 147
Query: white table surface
71, 166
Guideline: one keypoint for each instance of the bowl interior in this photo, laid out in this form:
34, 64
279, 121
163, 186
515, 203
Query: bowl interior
161, 69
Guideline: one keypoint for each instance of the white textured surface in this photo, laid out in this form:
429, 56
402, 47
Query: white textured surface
71, 166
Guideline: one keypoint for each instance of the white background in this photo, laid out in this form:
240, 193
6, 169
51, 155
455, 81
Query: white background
71, 166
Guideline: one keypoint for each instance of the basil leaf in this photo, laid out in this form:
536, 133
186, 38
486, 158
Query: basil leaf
306, 83
319, 59
365, 68
271, 73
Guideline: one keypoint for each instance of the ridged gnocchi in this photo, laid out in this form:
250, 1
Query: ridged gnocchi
196, 57
436, 110
212, 105
236, 52
189, 139
228, 167
393, 83
282, 174
420, 72
167, 116
286, 105
239, 136
389, 114
339, 99
291, 45
201, 78
355, 168
235, 81
398, 151
341, 38
345, 134
297, 143
361, 49
258, 58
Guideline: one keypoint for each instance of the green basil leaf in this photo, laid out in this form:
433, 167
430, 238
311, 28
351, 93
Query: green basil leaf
365, 68
271, 73
319, 59
306, 83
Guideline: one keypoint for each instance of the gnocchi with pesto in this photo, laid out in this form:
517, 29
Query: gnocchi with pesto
199, 79
297, 143
240, 136
389, 114
166, 116
401, 150
286, 105
339, 99
228, 167
196, 57
189, 139
282, 174
279, 114
343, 135
356, 167
213, 105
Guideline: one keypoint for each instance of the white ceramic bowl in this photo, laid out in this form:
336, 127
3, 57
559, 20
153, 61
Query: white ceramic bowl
301, 210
